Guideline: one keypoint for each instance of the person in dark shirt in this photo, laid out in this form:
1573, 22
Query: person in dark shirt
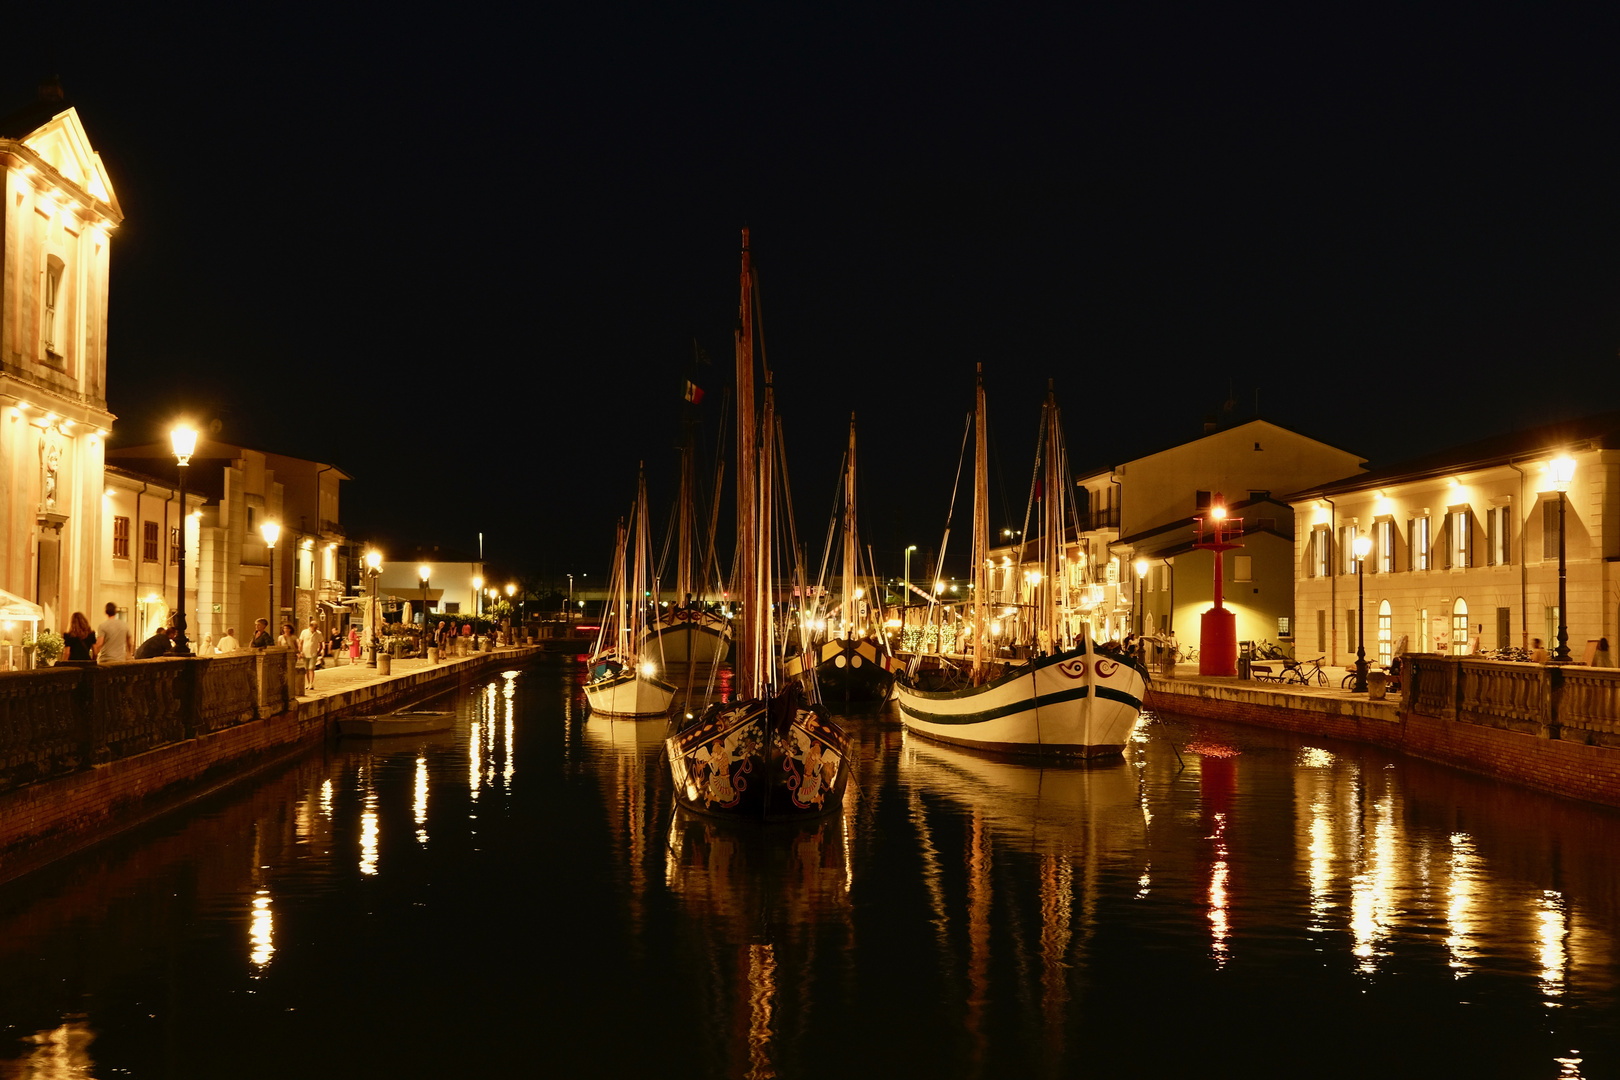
261, 635
159, 644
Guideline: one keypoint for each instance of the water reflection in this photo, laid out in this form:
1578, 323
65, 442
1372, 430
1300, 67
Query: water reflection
261, 931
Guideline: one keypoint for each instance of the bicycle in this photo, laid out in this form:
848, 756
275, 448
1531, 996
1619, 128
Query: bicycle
1303, 671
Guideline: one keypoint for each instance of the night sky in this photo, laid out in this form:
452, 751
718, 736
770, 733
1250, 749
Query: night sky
462, 251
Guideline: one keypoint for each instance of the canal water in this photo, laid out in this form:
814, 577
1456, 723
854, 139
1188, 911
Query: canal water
517, 897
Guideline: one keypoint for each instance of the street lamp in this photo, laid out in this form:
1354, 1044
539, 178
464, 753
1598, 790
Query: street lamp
569, 622
373, 570
271, 533
1141, 578
1361, 545
422, 572
478, 595
184, 441
1563, 471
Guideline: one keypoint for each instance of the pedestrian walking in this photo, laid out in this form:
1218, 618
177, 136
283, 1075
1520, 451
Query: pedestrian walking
228, 643
113, 639
354, 645
287, 640
80, 641
309, 649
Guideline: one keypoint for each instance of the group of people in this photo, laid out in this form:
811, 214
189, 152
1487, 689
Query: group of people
112, 641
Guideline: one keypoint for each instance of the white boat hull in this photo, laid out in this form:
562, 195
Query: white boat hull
699, 637
1079, 703
630, 694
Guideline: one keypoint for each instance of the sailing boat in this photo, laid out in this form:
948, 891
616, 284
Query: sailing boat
771, 753
690, 630
857, 664
1070, 697
622, 683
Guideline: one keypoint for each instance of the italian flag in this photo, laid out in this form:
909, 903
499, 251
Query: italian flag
694, 392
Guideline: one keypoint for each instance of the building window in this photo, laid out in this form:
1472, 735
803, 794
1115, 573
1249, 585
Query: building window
1321, 558
1242, 568
174, 545
1459, 628
1386, 547
1201, 500
53, 294
1499, 536
120, 537
1347, 549
1460, 539
1386, 629
1418, 530
1549, 528
149, 541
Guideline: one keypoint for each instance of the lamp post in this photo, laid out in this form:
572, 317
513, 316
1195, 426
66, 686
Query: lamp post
478, 594
184, 441
422, 572
1141, 582
1361, 546
569, 621
373, 570
271, 533
1563, 471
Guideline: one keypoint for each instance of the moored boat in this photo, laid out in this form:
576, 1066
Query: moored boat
772, 753
1067, 696
623, 681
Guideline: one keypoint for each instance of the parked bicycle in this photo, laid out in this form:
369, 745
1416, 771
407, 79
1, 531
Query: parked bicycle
1305, 671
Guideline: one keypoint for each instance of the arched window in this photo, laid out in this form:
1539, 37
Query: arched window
1459, 628
1385, 632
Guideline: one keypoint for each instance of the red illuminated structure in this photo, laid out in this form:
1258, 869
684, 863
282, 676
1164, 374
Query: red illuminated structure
1217, 645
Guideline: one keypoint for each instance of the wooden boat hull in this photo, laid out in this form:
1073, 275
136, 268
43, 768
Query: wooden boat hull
630, 694
699, 637
850, 669
1079, 703
400, 723
776, 759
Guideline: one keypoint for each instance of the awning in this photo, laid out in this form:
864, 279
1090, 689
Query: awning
14, 608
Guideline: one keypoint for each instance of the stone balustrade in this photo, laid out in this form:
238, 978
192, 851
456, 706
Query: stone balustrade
59, 720
1553, 701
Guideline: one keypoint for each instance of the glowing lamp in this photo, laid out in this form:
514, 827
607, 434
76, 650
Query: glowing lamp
648, 669
374, 560
184, 441
1141, 568
1563, 471
422, 572
1362, 545
271, 531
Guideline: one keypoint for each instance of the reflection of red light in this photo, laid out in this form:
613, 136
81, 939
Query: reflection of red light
1217, 782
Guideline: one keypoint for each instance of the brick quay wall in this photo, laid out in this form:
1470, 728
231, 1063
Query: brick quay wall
89, 751
1551, 728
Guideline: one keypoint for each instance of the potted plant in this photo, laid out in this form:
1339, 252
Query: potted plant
46, 645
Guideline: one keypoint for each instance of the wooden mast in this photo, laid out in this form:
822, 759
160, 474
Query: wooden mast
981, 534
636, 601
749, 650
621, 647
851, 554
1052, 541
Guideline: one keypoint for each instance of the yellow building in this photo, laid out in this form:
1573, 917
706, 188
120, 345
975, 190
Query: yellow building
56, 221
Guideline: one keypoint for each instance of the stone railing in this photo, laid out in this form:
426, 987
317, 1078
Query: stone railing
1553, 701
73, 716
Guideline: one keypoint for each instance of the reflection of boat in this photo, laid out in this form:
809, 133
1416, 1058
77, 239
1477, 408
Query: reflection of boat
623, 682
1071, 698
1047, 808
772, 753
630, 736
854, 663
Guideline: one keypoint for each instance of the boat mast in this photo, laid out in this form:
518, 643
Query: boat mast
1052, 541
851, 553
750, 651
981, 534
622, 645
636, 601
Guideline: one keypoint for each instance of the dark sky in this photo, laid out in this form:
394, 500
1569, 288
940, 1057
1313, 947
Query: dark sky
461, 250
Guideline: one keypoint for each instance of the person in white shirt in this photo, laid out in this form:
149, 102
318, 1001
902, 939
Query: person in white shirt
309, 650
228, 643
113, 639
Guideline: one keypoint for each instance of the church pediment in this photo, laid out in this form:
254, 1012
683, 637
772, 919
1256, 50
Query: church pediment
62, 143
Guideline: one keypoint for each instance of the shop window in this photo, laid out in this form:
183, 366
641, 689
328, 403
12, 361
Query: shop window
1459, 628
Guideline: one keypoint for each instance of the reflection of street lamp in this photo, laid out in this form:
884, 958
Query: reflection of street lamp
184, 441
1361, 545
1563, 471
373, 569
271, 533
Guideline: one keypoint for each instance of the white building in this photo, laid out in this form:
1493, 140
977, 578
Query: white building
57, 214
1464, 550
